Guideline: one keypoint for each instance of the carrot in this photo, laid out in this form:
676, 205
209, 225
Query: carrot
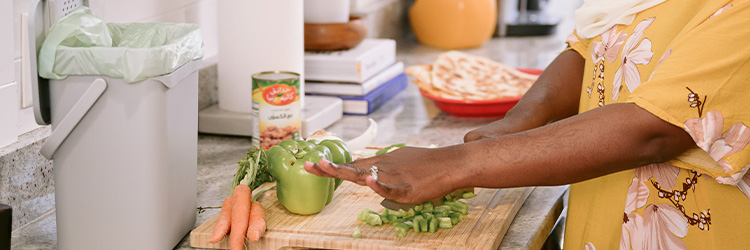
240, 217
257, 223
222, 225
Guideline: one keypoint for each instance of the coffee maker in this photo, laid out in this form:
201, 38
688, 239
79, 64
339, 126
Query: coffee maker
525, 18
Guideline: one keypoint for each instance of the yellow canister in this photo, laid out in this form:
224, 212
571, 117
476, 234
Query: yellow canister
453, 24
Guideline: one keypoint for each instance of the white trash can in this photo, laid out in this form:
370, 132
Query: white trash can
124, 156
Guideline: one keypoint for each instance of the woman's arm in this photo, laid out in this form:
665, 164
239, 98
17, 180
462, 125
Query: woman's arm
595, 143
554, 96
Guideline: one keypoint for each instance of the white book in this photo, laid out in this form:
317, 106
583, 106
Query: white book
354, 89
354, 65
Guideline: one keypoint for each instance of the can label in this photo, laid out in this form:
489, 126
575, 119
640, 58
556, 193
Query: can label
276, 105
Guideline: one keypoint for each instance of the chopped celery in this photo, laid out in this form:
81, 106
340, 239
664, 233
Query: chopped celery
468, 195
363, 215
417, 223
432, 225
423, 226
442, 211
418, 208
401, 228
357, 233
410, 213
403, 225
398, 220
385, 219
401, 233
400, 213
455, 217
392, 217
427, 216
448, 197
428, 207
374, 220
459, 195
460, 207
445, 223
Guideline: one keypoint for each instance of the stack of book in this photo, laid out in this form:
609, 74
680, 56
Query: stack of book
364, 77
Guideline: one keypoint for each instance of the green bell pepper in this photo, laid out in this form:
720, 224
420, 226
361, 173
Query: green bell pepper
297, 190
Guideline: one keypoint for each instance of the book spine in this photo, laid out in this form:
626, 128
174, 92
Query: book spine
355, 89
376, 98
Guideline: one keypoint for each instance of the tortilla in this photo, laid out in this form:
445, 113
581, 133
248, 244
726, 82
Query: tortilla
458, 75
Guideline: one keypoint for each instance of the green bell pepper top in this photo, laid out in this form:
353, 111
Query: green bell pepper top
297, 190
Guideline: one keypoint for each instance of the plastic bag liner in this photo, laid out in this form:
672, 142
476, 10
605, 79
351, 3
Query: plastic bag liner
83, 44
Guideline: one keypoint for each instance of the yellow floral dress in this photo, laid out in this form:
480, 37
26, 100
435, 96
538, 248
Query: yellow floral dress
687, 62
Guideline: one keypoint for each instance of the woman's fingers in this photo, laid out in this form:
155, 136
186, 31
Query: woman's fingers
313, 168
325, 168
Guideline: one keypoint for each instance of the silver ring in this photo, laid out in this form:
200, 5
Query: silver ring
374, 172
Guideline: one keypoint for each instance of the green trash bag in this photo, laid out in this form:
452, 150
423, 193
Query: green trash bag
83, 44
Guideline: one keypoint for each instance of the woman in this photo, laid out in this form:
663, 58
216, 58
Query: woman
645, 113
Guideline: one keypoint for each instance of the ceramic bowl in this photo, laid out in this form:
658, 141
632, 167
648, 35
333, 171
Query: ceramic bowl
335, 36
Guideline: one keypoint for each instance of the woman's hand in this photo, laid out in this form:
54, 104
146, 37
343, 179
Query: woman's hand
406, 175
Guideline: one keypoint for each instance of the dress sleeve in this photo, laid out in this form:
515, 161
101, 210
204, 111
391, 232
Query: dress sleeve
576, 44
702, 84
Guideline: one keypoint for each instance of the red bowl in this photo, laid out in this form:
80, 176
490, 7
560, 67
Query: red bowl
477, 109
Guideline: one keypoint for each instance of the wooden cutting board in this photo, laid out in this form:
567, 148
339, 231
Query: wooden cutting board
490, 215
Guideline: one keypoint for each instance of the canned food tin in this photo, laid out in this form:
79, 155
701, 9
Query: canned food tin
276, 105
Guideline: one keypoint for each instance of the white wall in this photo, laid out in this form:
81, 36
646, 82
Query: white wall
201, 12
8, 85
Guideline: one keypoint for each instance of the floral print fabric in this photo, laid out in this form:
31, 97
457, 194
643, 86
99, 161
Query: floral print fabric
700, 199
